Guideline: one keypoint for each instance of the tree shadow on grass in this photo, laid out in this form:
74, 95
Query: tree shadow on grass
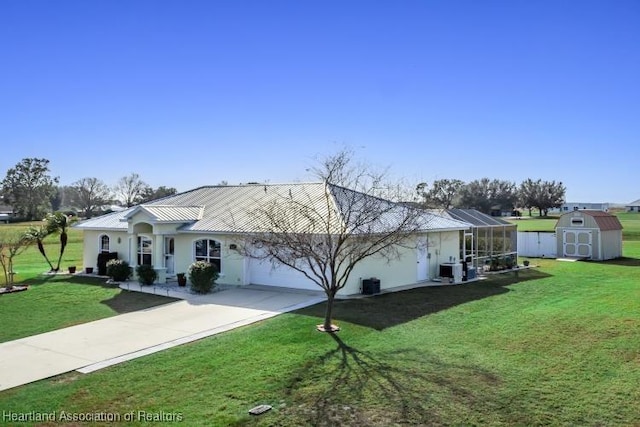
348, 386
128, 301
623, 261
383, 311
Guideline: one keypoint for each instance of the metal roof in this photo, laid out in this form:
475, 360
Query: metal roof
477, 218
110, 221
168, 213
604, 220
232, 209
634, 203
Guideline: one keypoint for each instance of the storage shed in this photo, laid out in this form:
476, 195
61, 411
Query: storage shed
589, 234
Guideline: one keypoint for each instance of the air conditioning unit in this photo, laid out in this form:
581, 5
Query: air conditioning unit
370, 286
451, 270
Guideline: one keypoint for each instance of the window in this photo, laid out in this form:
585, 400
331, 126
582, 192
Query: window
577, 221
209, 251
144, 250
104, 243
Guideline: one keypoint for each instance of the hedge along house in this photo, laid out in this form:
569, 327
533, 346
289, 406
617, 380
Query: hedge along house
211, 223
589, 234
488, 238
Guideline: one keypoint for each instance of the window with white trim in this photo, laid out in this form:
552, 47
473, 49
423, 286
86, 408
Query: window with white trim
145, 252
104, 243
208, 250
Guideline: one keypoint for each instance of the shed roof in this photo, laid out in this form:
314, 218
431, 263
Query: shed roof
634, 203
604, 220
228, 209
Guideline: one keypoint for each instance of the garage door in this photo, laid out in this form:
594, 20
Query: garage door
577, 243
264, 273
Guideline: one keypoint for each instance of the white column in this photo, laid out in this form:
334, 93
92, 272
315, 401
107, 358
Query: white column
133, 261
158, 258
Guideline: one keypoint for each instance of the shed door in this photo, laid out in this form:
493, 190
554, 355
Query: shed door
577, 243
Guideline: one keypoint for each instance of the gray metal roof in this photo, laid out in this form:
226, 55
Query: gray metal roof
110, 221
231, 209
634, 203
477, 218
169, 213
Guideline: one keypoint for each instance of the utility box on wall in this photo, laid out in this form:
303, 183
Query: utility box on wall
371, 286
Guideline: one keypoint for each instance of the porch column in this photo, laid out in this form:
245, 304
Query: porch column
158, 258
133, 256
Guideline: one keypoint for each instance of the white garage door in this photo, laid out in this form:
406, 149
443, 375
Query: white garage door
577, 243
264, 273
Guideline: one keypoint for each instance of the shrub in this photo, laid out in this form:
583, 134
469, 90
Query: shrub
118, 270
146, 274
202, 276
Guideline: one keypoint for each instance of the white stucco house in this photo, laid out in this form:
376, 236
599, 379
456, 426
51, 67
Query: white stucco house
209, 223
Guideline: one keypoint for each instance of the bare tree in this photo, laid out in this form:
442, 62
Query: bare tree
88, 194
11, 245
324, 234
131, 189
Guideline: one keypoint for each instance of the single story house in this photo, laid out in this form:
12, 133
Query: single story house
633, 206
575, 206
209, 223
589, 234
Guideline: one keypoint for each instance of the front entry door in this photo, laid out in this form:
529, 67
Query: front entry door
169, 251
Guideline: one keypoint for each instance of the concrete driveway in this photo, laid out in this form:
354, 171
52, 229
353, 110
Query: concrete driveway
95, 345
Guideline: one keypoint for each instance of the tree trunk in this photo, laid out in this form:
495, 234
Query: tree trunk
63, 244
44, 254
328, 313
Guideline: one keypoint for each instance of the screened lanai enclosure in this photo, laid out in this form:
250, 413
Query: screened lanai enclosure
491, 243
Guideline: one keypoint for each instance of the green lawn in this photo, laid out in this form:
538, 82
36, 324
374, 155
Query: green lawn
54, 302
30, 263
556, 345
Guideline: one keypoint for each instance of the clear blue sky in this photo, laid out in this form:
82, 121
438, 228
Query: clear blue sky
188, 93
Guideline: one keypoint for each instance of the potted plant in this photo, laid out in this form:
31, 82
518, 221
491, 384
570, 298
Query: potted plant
182, 279
72, 269
118, 270
526, 263
202, 276
88, 270
146, 274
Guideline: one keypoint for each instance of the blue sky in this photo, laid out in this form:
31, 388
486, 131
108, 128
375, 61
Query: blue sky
188, 93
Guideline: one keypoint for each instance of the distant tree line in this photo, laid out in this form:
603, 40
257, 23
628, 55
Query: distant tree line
32, 192
488, 195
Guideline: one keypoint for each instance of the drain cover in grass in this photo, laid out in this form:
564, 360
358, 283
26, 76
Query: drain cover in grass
260, 409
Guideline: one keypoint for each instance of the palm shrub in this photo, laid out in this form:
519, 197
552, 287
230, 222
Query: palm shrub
118, 270
146, 274
202, 276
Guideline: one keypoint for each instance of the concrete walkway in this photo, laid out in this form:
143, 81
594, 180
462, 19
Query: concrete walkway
95, 345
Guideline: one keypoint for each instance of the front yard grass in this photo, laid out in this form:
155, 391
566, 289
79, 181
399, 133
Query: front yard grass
557, 345
58, 301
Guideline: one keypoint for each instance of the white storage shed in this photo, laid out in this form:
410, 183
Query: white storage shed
589, 234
